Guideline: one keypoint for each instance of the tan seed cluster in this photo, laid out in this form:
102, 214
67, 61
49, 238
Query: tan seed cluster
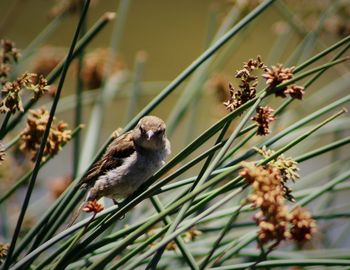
263, 118
274, 220
288, 168
279, 74
247, 86
9, 54
48, 57
3, 251
12, 101
267, 195
94, 67
303, 225
294, 91
188, 236
31, 136
221, 87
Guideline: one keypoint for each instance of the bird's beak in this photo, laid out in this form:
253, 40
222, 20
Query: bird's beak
150, 134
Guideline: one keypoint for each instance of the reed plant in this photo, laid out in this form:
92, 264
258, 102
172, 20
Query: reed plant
264, 186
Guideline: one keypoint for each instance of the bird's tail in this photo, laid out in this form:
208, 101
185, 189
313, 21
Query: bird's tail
76, 214
91, 195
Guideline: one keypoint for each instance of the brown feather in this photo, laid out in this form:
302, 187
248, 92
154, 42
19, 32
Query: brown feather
122, 147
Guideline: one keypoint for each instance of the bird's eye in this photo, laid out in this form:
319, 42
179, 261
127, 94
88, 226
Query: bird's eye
159, 132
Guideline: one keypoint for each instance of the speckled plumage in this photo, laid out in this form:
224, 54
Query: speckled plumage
129, 161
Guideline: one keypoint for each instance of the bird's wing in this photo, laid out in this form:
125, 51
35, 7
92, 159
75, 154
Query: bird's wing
120, 148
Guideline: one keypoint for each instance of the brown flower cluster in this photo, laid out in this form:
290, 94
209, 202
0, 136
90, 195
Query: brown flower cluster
295, 91
9, 54
30, 137
263, 118
221, 87
278, 74
94, 67
93, 207
303, 225
267, 195
247, 86
338, 24
3, 251
11, 91
274, 220
48, 57
287, 167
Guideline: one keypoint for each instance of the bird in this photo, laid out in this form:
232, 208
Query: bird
129, 161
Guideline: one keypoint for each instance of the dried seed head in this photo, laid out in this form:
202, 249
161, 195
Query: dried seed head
188, 236
9, 51
4, 72
338, 24
191, 235
247, 86
12, 101
303, 225
267, 195
94, 67
277, 74
93, 207
40, 88
263, 118
171, 246
295, 91
4, 247
47, 59
274, 229
221, 87
31, 136
9, 55
287, 166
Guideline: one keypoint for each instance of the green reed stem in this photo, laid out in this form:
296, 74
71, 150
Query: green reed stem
43, 142
217, 242
140, 61
286, 263
10, 144
78, 102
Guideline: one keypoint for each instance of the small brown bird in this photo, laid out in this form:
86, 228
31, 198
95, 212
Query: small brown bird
129, 161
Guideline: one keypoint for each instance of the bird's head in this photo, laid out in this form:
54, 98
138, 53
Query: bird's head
150, 133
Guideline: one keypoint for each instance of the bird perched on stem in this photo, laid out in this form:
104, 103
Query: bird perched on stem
129, 161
